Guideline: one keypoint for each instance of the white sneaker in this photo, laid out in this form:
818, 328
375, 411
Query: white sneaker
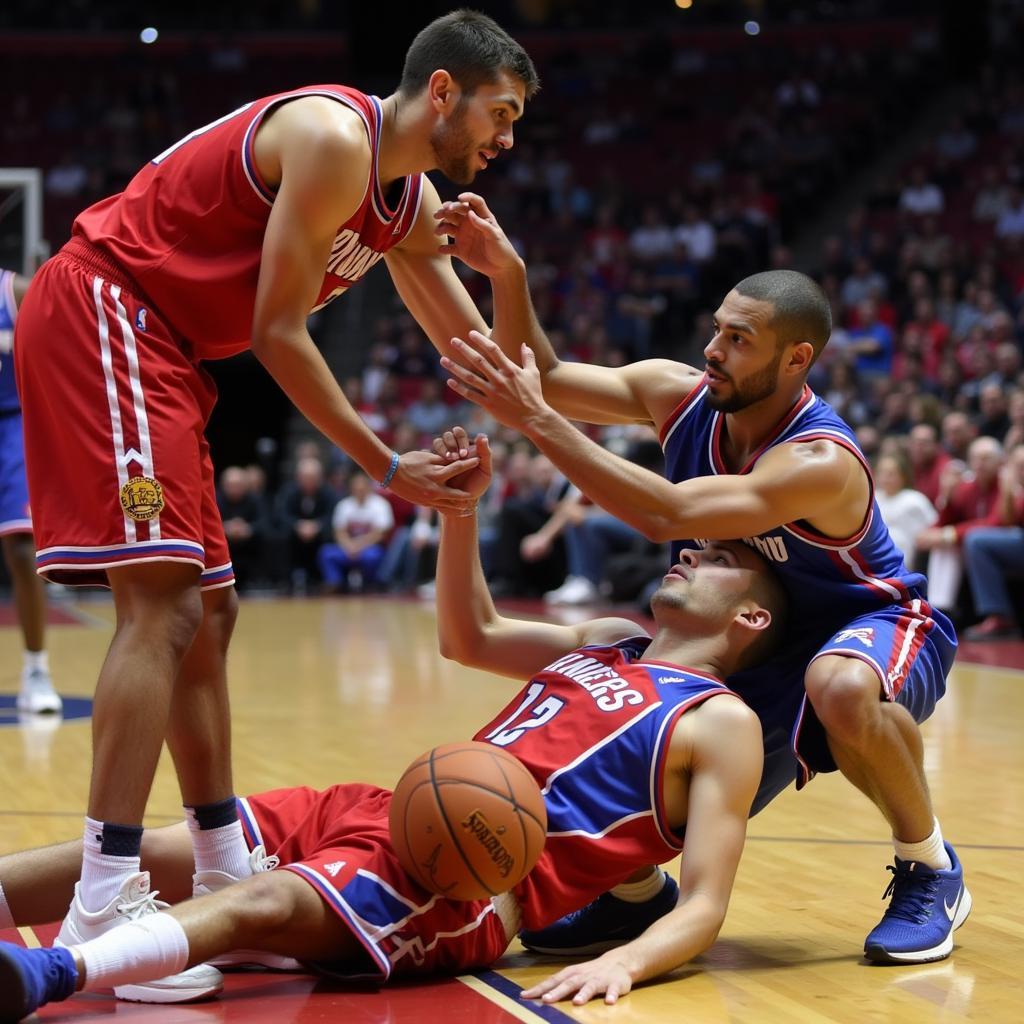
575, 590
37, 694
206, 882
132, 902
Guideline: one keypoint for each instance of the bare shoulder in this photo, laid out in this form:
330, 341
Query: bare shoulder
311, 129
661, 384
724, 724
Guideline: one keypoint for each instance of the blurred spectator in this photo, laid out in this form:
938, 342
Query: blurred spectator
652, 238
906, 511
429, 414
993, 419
921, 196
304, 514
972, 502
244, 518
1015, 410
993, 554
992, 199
864, 282
927, 460
957, 142
1011, 221
870, 343
957, 434
360, 523
697, 234
535, 490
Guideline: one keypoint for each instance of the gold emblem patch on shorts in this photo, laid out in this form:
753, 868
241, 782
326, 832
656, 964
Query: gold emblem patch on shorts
142, 498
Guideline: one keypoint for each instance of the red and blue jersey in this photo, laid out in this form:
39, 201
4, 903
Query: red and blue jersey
832, 579
8, 314
593, 728
188, 229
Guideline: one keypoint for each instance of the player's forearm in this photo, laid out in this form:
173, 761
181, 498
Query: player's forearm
464, 606
673, 940
642, 499
299, 369
515, 321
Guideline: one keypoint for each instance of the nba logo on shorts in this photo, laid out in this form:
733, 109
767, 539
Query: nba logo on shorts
865, 635
140, 319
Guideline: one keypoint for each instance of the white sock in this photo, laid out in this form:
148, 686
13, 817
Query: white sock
102, 873
219, 849
37, 661
6, 917
152, 947
642, 891
930, 851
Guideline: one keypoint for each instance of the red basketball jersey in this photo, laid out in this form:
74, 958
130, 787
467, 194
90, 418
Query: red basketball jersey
189, 227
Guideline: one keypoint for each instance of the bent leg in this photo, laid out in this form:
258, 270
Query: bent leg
876, 744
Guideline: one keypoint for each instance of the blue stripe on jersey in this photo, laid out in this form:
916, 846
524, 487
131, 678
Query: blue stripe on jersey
831, 581
8, 314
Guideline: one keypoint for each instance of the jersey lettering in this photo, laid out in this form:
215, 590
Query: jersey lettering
507, 733
610, 691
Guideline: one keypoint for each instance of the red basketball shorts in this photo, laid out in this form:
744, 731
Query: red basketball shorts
119, 471
338, 840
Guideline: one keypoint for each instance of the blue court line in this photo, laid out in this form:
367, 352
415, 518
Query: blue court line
545, 1011
811, 841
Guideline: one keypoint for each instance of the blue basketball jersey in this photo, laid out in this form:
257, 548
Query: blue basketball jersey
8, 314
593, 728
828, 580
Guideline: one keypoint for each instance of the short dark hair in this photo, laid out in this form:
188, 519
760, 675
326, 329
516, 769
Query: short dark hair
802, 312
473, 48
767, 590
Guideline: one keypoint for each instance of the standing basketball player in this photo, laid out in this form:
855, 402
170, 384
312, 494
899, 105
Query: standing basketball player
751, 452
226, 241
37, 694
633, 740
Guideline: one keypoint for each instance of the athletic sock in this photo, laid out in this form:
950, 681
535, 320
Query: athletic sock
110, 853
37, 661
152, 947
6, 917
642, 891
218, 843
930, 852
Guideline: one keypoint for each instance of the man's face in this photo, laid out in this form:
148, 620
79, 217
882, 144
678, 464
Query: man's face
478, 128
743, 357
706, 585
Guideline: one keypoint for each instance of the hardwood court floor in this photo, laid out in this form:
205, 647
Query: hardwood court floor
353, 688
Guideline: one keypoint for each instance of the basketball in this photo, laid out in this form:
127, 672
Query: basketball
467, 821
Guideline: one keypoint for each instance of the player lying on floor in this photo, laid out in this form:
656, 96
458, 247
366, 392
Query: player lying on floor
635, 741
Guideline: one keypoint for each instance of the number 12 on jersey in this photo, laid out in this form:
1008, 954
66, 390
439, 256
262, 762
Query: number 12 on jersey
529, 715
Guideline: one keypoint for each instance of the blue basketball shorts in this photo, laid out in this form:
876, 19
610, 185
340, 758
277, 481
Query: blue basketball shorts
14, 514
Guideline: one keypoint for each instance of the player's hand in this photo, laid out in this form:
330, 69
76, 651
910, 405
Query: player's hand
606, 976
475, 236
483, 374
454, 444
422, 479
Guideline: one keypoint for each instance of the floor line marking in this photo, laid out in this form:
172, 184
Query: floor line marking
29, 937
505, 992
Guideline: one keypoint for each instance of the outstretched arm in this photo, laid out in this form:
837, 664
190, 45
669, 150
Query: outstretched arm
724, 770
469, 628
645, 392
791, 482
314, 140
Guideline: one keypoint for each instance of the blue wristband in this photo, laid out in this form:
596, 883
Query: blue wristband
392, 469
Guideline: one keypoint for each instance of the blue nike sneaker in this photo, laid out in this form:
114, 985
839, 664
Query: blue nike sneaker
601, 925
927, 906
29, 978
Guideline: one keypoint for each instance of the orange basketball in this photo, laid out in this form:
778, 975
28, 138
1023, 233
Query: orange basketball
467, 821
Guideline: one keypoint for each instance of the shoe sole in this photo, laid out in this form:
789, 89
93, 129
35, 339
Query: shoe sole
14, 999
150, 994
878, 954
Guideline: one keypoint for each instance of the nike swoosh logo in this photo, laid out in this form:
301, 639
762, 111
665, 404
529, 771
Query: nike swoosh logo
951, 910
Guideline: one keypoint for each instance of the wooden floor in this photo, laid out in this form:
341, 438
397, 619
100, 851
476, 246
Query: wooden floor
353, 688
